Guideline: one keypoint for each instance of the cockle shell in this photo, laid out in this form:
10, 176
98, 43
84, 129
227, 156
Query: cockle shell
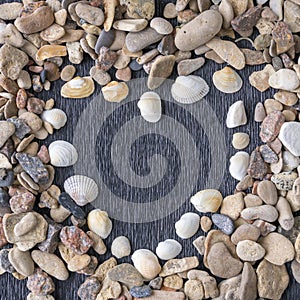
115, 91
99, 222
150, 107
78, 87
188, 225
146, 262
62, 154
56, 117
207, 200
189, 89
236, 115
239, 165
168, 249
82, 189
227, 80
120, 247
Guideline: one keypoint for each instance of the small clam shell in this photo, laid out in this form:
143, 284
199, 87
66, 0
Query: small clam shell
82, 189
239, 164
146, 262
236, 115
227, 80
189, 89
115, 91
207, 200
62, 154
168, 249
78, 87
120, 247
150, 107
188, 225
56, 117
99, 222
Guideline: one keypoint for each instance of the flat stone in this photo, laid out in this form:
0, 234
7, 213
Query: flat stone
52, 33
10, 11
173, 282
224, 223
271, 126
131, 25
141, 291
289, 134
188, 66
245, 232
40, 283
7, 129
267, 191
251, 251
161, 25
91, 14
12, 36
260, 79
89, 289
139, 8
105, 39
248, 289
284, 79
67, 202
103, 268
232, 205
265, 212
230, 288
291, 15
295, 266
21, 261
193, 289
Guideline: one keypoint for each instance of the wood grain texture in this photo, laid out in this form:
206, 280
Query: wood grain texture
148, 235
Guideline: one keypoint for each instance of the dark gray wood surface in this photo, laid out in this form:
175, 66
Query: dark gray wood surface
147, 235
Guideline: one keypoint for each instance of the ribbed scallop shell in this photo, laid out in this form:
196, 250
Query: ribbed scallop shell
189, 89
168, 249
150, 107
120, 247
62, 154
78, 87
82, 189
56, 117
99, 222
188, 225
146, 262
227, 80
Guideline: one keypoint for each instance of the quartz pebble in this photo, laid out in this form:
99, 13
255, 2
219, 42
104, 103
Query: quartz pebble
284, 79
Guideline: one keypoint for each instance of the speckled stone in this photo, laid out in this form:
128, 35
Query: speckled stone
89, 289
40, 283
224, 223
141, 291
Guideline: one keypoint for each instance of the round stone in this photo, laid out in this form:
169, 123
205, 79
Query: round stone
248, 250
289, 136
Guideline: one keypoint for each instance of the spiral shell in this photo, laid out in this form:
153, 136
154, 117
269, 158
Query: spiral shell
78, 87
188, 225
168, 249
82, 189
120, 247
56, 117
227, 80
150, 107
146, 262
99, 222
189, 89
62, 154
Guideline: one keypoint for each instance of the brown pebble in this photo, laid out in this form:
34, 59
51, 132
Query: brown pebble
124, 74
68, 73
205, 223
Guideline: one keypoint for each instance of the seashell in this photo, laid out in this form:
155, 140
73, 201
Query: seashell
239, 165
189, 89
48, 51
168, 249
150, 107
82, 189
115, 91
62, 154
240, 140
99, 222
207, 200
227, 80
188, 225
78, 87
120, 247
236, 115
146, 262
56, 117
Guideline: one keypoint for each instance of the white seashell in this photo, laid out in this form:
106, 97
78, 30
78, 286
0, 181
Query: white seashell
99, 222
207, 200
189, 89
239, 164
56, 117
236, 115
120, 247
62, 154
188, 225
82, 189
146, 262
150, 107
227, 80
168, 249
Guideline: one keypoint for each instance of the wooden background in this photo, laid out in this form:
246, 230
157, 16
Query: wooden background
148, 235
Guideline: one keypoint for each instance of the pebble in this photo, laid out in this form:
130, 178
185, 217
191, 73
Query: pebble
289, 135
284, 79
4, 261
240, 140
173, 282
267, 191
161, 295
218, 260
156, 283
286, 98
188, 66
100, 76
245, 232
268, 155
52, 33
124, 60
7, 129
131, 25
238, 165
230, 288
10, 11
139, 8
170, 11
167, 45
232, 206
79, 262
124, 74
286, 218
295, 266
193, 289
271, 126
141, 291
75, 52
161, 25
39, 283
265, 212
12, 36
51, 264
236, 115
272, 280
284, 181
248, 289
174, 266
110, 289
206, 223
224, 223
91, 14
105, 39
103, 268
67, 202
198, 31
68, 73
24, 81
106, 59
89, 289
251, 251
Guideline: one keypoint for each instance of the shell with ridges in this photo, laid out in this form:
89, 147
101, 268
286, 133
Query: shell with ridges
188, 225
146, 262
82, 189
78, 87
120, 247
239, 165
150, 107
99, 222
56, 117
62, 154
115, 91
168, 249
189, 89
227, 80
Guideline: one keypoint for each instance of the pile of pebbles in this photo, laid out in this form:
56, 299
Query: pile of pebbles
255, 231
